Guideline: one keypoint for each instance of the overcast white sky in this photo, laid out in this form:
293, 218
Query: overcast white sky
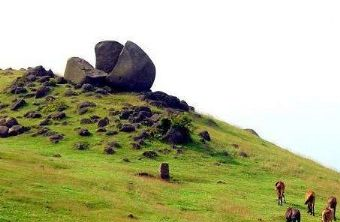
269, 65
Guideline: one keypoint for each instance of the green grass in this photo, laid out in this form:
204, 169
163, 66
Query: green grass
206, 185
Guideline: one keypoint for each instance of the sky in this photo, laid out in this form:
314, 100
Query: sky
268, 65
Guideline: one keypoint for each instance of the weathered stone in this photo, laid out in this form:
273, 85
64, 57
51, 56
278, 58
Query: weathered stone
177, 135
164, 171
33, 115
162, 99
134, 70
103, 122
55, 138
150, 154
42, 91
57, 116
107, 53
84, 132
87, 87
86, 104
18, 104
16, 130
128, 128
81, 145
10, 121
78, 71
39, 71
3, 131
205, 135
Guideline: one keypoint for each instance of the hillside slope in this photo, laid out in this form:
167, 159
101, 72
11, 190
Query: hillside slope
45, 181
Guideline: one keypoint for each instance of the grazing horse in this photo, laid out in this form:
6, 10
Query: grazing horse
331, 203
327, 215
280, 190
293, 215
310, 202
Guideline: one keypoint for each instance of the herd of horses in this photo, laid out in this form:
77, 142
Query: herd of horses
293, 215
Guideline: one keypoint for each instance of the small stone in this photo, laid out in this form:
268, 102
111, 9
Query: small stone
81, 145
42, 91
19, 103
150, 154
84, 132
128, 128
205, 135
103, 122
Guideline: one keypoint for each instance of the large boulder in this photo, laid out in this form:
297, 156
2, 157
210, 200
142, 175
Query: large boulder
79, 71
134, 70
107, 53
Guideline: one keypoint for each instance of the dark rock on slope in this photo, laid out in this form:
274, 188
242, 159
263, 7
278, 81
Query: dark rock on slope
107, 53
134, 70
162, 99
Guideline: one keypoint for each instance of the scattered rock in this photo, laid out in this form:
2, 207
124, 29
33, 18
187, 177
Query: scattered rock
4, 131
164, 171
57, 155
87, 87
79, 71
150, 154
205, 135
33, 115
81, 145
70, 92
16, 130
10, 121
177, 135
57, 116
84, 132
134, 70
107, 53
42, 92
103, 122
109, 150
19, 103
56, 138
45, 122
162, 99
127, 128
86, 104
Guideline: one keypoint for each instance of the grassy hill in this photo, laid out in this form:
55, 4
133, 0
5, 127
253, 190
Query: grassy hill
43, 181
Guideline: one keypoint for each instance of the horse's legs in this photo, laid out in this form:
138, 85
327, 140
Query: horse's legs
284, 198
313, 209
334, 213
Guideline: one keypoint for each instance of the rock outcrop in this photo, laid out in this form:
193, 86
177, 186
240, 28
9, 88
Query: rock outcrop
107, 53
123, 68
79, 71
134, 70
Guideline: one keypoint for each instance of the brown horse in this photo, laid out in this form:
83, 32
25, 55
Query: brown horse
293, 215
310, 202
280, 190
331, 203
327, 215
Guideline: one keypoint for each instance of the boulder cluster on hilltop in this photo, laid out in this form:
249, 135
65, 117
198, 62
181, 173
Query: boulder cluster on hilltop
123, 68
